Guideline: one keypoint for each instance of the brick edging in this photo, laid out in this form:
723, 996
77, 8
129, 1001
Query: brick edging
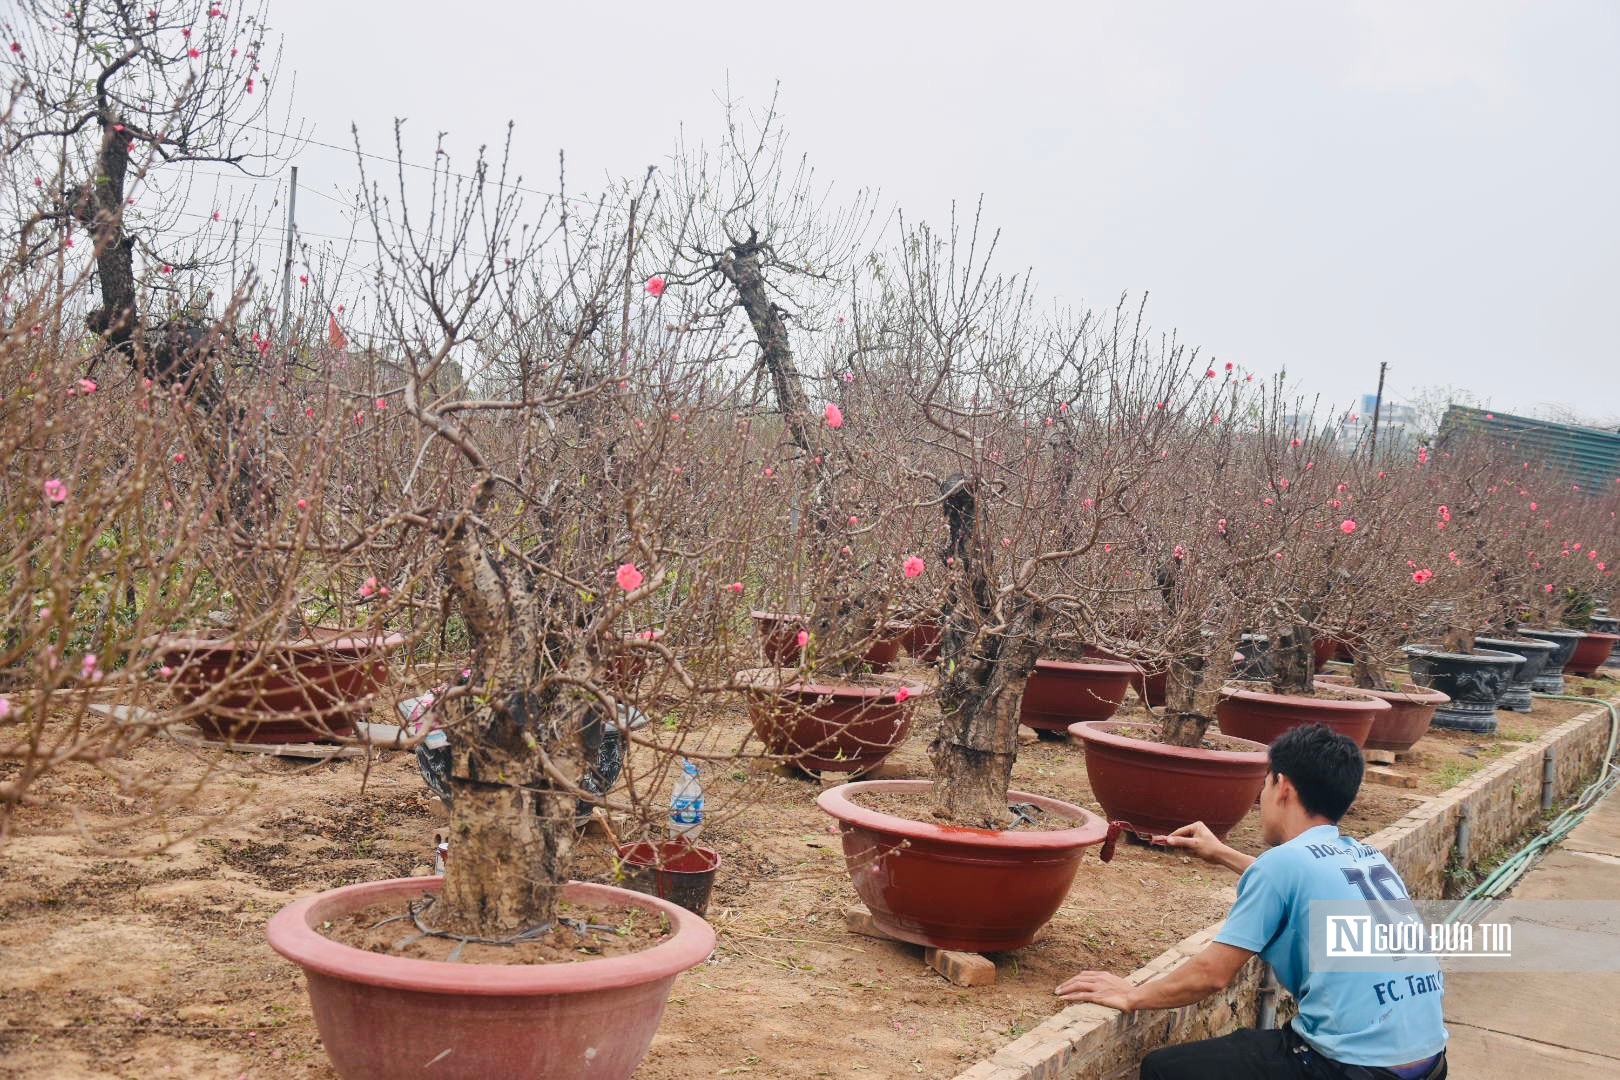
1503, 798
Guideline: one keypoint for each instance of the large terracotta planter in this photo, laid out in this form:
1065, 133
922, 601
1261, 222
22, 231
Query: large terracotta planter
977, 890
1062, 692
1156, 788
1261, 717
1473, 681
385, 1017
829, 727
1411, 711
1551, 679
1516, 695
921, 640
1591, 652
779, 635
277, 692
1149, 683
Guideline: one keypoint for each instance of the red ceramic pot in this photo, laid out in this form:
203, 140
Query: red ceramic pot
1411, 710
1261, 716
922, 640
383, 1017
832, 727
1155, 788
1590, 653
277, 691
882, 654
1060, 692
977, 890
1149, 686
625, 669
780, 635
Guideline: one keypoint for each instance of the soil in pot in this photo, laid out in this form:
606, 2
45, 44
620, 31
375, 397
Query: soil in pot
300, 690
979, 890
1411, 711
1156, 788
1255, 711
1061, 692
381, 1017
830, 727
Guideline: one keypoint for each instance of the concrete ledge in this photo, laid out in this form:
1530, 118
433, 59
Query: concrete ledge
1503, 800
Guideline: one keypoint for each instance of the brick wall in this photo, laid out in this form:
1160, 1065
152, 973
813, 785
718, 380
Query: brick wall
1090, 1042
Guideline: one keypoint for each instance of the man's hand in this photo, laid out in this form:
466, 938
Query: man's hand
1196, 839
1098, 988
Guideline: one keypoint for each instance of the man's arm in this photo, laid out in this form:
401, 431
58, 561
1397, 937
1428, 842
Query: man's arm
1196, 839
1209, 971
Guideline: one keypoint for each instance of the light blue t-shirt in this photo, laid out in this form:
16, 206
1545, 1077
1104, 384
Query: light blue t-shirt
1384, 1018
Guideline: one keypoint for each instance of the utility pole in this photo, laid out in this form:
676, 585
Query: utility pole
287, 266
1378, 407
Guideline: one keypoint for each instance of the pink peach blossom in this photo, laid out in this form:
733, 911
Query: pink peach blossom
628, 577
835, 416
912, 566
56, 491
656, 286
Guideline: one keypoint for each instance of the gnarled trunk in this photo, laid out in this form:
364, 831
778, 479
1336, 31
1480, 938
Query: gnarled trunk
982, 676
511, 823
1293, 656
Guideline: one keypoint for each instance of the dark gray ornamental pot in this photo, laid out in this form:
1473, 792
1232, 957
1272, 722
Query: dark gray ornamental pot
1551, 680
1516, 696
1473, 681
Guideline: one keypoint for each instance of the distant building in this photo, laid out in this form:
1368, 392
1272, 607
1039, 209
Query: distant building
1397, 425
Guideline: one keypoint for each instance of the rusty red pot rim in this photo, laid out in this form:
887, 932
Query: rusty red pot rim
1102, 731
807, 688
835, 801
1089, 667
350, 642
1328, 704
1415, 695
292, 933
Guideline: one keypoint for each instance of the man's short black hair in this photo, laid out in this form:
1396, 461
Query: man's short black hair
1324, 766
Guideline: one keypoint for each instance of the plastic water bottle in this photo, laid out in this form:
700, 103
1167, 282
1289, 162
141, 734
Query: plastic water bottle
686, 805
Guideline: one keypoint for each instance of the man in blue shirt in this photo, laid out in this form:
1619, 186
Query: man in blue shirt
1353, 1024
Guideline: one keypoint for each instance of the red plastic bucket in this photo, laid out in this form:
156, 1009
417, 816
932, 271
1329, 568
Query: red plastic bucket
673, 870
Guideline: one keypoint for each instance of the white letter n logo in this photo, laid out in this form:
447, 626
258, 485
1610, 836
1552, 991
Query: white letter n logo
1347, 934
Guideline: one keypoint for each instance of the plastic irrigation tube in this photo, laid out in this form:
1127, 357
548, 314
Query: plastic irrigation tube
1505, 876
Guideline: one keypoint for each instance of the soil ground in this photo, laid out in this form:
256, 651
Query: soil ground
119, 963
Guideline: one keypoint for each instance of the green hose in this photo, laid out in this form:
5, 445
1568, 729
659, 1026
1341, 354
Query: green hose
1505, 876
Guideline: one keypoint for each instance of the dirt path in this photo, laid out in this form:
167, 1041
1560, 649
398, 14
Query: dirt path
156, 965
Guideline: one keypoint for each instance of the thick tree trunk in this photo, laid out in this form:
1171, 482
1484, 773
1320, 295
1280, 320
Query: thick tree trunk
1294, 660
511, 821
1189, 706
1368, 671
841, 613
983, 674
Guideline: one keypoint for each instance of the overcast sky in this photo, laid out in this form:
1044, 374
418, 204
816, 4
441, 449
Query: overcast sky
1309, 186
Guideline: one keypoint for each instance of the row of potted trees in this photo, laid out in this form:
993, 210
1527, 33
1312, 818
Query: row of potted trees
585, 467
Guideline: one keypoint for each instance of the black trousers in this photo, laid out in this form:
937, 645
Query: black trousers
1250, 1054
